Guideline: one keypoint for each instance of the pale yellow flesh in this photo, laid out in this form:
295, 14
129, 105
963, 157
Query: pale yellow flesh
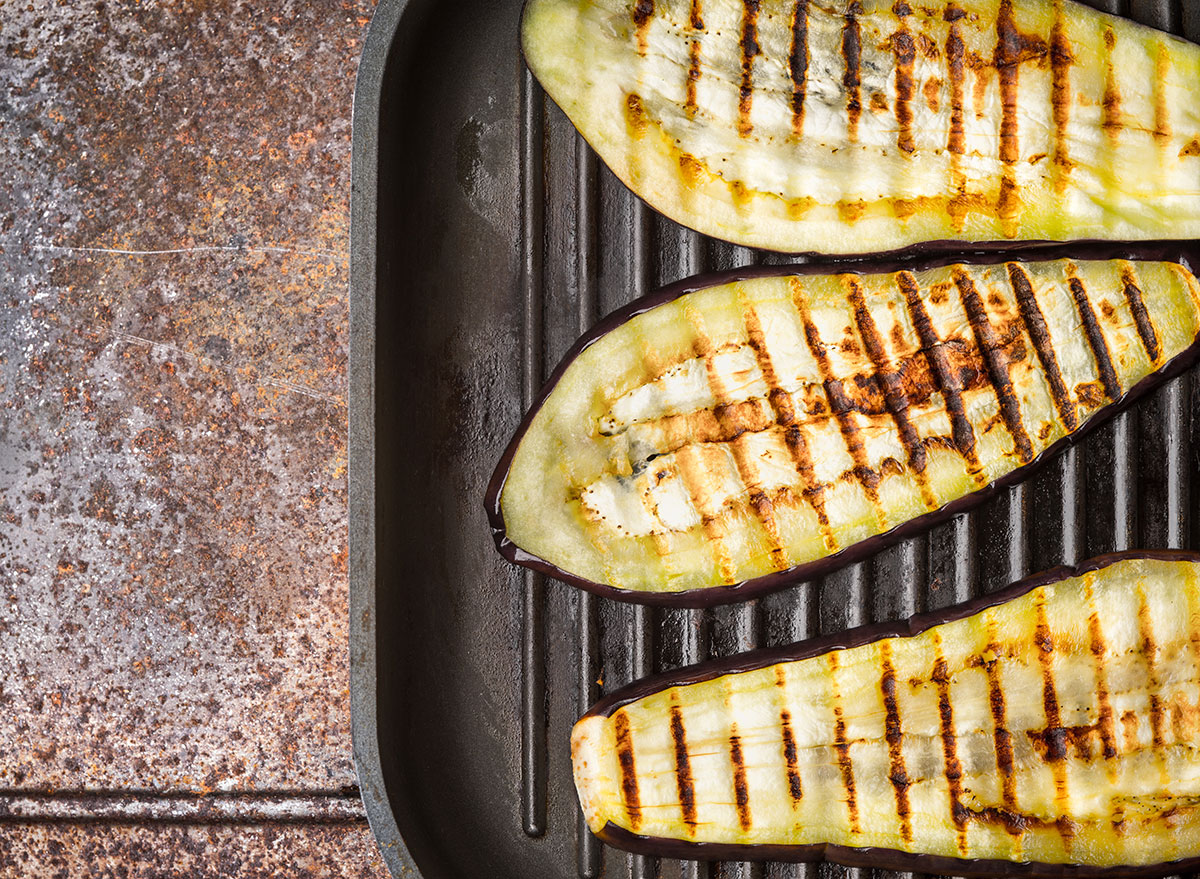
1108, 663
1101, 138
701, 443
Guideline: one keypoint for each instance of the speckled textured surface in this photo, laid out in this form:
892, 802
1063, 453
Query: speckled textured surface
174, 212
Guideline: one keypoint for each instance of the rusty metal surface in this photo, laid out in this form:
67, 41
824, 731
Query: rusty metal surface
174, 211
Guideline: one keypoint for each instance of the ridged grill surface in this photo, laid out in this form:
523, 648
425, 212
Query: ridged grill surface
589, 246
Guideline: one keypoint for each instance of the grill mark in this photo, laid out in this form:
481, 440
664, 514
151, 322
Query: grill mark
1141, 317
798, 64
1055, 737
741, 792
790, 754
1150, 651
996, 361
956, 143
852, 55
897, 401
839, 404
1035, 325
960, 425
643, 12
1098, 648
747, 469
1162, 110
750, 48
683, 767
696, 22
785, 416
1000, 735
629, 782
894, 736
952, 767
1095, 337
1061, 59
1110, 116
692, 478
842, 747
1012, 48
904, 48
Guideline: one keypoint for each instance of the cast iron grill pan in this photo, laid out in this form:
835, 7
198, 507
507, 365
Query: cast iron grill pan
486, 238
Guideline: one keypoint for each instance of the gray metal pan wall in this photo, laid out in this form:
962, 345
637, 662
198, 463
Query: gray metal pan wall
486, 238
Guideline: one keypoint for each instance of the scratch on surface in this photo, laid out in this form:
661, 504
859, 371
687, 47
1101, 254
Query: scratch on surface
143, 342
68, 250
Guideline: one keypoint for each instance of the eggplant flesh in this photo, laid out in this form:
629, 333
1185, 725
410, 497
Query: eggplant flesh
1060, 725
762, 426
869, 125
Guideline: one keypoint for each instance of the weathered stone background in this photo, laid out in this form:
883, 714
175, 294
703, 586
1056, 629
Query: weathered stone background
174, 227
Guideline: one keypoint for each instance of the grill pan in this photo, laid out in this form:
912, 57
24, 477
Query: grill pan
485, 238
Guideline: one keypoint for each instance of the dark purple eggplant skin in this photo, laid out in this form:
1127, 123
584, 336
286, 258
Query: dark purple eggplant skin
919, 258
880, 858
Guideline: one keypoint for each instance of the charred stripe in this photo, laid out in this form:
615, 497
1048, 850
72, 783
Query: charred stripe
1098, 649
785, 416
997, 362
893, 389
960, 426
952, 767
904, 48
750, 50
1001, 737
790, 755
1153, 685
1012, 49
894, 735
1141, 317
852, 79
1054, 737
842, 747
683, 766
956, 143
839, 404
696, 22
1095, 337
741, 792
629, 781
643, 12
798, 64
1061, 59
1162, 107
1110, 116
1035, 325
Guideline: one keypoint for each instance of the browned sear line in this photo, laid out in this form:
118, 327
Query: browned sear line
839, 404
1162, 109
1001, 737
893, 389
629, 782
798, 64
683, 767
997, 362
842, 747
852, 79
643, 12
893, 734
1098, 647
750, 50
1095, 337
904, 48
696, 23
1150, 651
1061, 59
1141, 317
960, 427
1039, 332
790, 754
1110, 116
1054, 738
812, 489
741, 792
956, 143
953, 767
1013, 48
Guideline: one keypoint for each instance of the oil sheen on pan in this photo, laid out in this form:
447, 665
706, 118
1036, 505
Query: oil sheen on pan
840, 126
702, 447
1054, 723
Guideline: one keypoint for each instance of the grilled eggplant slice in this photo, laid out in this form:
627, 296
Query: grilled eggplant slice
1056, 722
843, 126
732, 439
